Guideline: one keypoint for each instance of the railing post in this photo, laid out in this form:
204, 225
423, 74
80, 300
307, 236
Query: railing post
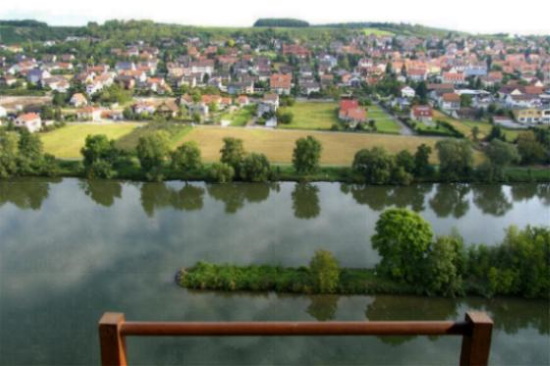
113, 347
477, 343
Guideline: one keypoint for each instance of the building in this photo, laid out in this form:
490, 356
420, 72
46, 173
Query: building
31, 121
280, 83
78, 100
422, 113
350, 111
89, 114
450, 102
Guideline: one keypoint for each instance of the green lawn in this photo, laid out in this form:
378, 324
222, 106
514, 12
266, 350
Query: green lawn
384, 122
241, 116
466, 126
67, 141
176, 132
377, 32
312, 116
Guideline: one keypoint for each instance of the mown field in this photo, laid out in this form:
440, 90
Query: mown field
311, 116
67, 141
384, 122
466, 126
241, 116
377, 32
339, 148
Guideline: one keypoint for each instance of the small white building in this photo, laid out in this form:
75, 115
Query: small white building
407, 92
31, 121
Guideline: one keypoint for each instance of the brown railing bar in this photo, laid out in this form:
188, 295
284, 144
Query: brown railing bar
476, 332
292, 328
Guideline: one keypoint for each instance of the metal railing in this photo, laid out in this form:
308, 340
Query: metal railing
475, 330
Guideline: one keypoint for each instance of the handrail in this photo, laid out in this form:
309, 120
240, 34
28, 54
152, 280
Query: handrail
475, 331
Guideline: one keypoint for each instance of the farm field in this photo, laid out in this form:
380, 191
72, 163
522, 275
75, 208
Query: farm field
67, 141
311, 116
339, 148
465, 126
384, 122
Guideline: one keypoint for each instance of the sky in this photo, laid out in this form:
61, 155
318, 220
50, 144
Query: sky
475, 16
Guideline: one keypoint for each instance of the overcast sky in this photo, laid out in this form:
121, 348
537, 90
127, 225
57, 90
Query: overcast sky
476, 16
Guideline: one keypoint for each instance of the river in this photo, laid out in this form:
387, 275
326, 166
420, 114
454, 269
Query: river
71, 250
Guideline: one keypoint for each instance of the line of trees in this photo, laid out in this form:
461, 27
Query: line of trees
413, 256
22, 154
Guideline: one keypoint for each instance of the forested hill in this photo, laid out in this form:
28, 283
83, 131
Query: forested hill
281, 22
395, 28
17, 31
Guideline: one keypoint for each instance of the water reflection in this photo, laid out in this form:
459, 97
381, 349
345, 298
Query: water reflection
490, 199
235, 195
102, 192
379, 198
323, 307
305, 201
451, 199
25, 193
155, 196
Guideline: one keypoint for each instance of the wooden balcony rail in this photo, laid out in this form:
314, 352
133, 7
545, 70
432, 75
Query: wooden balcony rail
475, 330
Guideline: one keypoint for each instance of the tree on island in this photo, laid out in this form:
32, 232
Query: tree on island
325, 272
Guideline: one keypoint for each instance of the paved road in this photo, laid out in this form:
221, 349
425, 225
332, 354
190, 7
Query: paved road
405, 130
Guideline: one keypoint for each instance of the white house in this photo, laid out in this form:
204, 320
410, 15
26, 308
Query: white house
31, 121
408, 92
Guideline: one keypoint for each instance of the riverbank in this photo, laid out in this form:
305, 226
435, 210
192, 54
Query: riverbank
286, 173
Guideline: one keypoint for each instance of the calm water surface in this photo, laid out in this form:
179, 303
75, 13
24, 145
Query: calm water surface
71, 250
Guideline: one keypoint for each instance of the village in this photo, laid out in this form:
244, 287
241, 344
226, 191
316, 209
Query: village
452, 86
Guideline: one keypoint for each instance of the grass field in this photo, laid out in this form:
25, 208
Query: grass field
384, 122
67, 141
175, 131
241, 116
376, 32
338, 148
311, 116
466, 126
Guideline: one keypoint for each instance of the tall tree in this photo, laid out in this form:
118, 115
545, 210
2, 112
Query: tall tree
255, 168
152, 150
99, 154
186, 157
306, 155
233, 153
456, 159
375, 165
325, 272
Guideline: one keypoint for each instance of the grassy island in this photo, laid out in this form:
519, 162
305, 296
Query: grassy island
413, 261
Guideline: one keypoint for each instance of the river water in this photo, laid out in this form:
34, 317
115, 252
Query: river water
71, 250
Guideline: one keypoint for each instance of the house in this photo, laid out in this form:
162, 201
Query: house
417, 74
168, 109
89, 113
31, 121
94, 87
449, 102
528, 115
280, 83
78, 100
407, 92
144, 107
242, 100
56, 83
422, 113
36, 76
350, 111
240, 87
455, 78
309, 87
268, 104
125, 66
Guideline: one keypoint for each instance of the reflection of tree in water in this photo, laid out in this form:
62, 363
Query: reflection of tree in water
305, 201
402, 308
159, 195
323, 307
543, 193
514, 314
450, 199
521, 192
413, 196
380, 197
234, 195
102, 192
490, 199
27, 194
376, 197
